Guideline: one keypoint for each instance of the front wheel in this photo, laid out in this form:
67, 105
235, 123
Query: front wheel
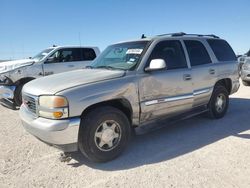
18, 95
104, 133
218, 103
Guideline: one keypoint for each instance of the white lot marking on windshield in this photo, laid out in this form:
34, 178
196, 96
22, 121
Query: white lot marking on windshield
134, 51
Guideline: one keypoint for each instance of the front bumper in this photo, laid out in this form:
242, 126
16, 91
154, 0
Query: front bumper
245, 75
7, 92
62, 134
7, 96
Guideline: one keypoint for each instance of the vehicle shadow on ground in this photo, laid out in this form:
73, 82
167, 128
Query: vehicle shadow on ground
178, 139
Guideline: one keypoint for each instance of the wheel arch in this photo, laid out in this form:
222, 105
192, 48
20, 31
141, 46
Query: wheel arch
226, 82
120, 103
23, 81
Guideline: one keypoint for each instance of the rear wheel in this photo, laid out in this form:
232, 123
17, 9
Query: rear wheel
104, 133
218, 103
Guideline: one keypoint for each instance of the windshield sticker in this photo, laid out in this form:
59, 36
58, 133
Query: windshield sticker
134, 51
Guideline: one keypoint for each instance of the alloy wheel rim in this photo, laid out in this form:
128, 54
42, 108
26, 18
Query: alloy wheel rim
107, 135
220, 103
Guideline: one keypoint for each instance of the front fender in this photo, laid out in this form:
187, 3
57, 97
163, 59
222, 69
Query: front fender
82, 97
32, 71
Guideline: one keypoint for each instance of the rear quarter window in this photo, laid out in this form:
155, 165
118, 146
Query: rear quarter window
88, 54
222, 50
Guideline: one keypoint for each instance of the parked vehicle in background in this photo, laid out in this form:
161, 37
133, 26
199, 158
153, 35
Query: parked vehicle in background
245, 72
56, 59
241, 60
130, 86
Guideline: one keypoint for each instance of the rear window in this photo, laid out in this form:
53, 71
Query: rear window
222, 50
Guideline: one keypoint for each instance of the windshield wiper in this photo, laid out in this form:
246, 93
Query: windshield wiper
108, 67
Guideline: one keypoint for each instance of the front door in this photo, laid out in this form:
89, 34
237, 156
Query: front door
63, 60
167, 92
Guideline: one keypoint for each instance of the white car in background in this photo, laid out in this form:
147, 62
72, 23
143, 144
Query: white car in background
56, 59
245, 72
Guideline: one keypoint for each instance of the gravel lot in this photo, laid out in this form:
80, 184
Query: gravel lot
198, 152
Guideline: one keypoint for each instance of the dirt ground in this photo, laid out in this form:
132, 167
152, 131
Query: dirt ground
198, 152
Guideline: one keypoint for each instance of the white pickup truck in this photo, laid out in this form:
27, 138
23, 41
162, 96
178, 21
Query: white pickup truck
56, 59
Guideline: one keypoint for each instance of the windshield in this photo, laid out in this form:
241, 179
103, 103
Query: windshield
42, 54
123, 56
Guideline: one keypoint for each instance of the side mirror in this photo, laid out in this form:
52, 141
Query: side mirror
49, 60
156, 64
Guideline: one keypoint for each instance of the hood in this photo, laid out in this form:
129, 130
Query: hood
10, 65
51, 85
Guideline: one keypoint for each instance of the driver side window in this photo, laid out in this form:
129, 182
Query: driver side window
63, 55
172, 52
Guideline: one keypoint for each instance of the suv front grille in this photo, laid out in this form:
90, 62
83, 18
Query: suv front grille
30, 103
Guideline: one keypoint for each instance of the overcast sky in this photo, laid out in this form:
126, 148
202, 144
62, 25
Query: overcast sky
29, 26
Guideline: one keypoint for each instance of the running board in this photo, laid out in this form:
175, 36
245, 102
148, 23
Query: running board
163, 122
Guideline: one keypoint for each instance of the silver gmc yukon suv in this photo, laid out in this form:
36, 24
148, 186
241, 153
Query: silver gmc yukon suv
56, 59
131, 86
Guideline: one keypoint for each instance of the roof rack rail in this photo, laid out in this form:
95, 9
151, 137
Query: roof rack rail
200, 35
185, 34
172, 34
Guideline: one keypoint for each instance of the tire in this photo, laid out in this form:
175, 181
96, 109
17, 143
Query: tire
104, 134
218, 104
18, 95
246, 83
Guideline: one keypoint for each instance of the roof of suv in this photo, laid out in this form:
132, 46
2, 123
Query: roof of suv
175, 35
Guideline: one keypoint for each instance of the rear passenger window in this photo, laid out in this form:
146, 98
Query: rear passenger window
197, 52
172, 52
88, 54
222, 50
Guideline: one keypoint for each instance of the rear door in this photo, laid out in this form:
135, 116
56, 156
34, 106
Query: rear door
203, 71
167, 92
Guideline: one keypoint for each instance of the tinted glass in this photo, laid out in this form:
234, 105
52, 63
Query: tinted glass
73, 54
222, 50
88, 54
62, 55
198, 54
172, 52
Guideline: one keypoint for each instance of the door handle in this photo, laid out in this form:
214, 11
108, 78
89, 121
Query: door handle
71, 65
211, 71
187, 77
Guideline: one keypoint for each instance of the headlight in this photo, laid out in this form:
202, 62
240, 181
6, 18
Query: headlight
53, 107
246, 65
